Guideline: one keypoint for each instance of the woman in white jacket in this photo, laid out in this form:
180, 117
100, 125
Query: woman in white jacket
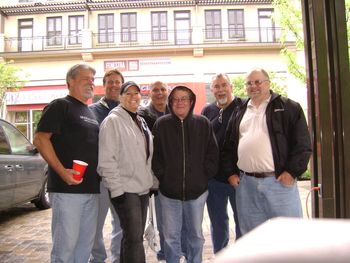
125, 157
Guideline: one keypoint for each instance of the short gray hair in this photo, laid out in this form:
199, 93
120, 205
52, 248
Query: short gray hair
220, 75
75, 70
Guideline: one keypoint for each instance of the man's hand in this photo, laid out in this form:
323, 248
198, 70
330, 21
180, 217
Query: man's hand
286, 179
67, 176
234, 180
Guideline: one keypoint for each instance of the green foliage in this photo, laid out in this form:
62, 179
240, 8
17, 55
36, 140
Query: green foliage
347, 6
288, 16
305, 176
9, 79
277, 85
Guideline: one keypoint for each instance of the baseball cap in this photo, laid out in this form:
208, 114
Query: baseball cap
127, 85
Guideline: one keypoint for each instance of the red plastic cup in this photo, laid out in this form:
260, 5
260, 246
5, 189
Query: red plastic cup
80, 167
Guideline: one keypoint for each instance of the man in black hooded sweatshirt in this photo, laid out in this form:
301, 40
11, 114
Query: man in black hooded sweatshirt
185, 157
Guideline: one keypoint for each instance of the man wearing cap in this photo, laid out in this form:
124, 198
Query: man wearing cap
125, 156
185, 157
112, 81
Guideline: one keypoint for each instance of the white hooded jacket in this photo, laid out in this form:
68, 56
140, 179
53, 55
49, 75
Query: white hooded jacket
122, 158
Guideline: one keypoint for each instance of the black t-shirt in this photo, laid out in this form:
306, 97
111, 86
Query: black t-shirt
74, 136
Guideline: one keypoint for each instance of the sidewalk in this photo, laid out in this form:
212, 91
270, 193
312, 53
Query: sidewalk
304, 187
25, 233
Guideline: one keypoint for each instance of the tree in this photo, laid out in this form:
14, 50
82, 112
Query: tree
277, 85
289, 17
9, 80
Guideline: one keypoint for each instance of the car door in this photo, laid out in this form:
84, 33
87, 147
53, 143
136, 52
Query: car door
27, 163
7, 172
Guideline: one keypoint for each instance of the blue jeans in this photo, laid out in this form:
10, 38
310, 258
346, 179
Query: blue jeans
98, 253
176, 213
260, 199
160, 253
132, 212
74, 219
218, 197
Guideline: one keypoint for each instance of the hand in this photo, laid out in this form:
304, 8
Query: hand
286, 179
67, 176
234, 180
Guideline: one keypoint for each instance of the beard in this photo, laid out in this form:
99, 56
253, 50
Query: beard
222, 101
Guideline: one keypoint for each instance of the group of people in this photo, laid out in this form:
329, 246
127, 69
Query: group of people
246, 151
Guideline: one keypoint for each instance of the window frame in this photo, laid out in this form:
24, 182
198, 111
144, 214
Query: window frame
213, 30
159, 31
56, 35
108, 35
236, 29
77, 36
128, 31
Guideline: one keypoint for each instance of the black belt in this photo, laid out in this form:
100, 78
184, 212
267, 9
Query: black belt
259, 175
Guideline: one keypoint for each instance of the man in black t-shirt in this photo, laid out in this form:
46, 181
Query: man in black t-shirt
68, 131
220, 192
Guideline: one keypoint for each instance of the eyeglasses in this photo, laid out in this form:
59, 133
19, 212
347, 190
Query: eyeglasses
256, 82
178, 100
220, 115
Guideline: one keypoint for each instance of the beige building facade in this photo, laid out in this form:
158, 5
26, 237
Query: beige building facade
176, 41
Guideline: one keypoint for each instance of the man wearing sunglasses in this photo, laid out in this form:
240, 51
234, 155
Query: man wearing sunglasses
219, 191
267, 147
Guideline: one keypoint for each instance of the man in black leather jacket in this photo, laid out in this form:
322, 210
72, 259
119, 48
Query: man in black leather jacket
267, 146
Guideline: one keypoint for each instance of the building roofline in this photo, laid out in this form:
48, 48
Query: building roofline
93, 5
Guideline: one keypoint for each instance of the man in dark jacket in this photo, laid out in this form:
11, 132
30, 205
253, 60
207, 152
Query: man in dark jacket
157, 107
219, 113
185, 157
112, 81
267, 146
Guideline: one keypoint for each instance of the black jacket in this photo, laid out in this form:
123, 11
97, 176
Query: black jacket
150, 114
219, 124
288, 132
185, 154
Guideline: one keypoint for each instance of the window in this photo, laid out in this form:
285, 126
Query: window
236, 23
106, 28
213, 24
25, 33
76, 24
4, 146
54, 31
128, 27
266, 25
19, 144
159, 26
182, 27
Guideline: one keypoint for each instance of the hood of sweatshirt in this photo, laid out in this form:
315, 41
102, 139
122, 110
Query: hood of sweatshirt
192, 98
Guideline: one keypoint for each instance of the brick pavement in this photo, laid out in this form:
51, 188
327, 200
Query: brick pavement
25, 235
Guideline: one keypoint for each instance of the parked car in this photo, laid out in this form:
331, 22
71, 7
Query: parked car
23, 172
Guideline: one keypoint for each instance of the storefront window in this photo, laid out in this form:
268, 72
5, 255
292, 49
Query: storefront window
36, 118
21, 122
27, 122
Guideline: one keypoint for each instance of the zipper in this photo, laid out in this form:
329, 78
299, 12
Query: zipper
183, 161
